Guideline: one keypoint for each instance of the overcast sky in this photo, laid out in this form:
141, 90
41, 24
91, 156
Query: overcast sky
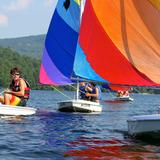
20, 18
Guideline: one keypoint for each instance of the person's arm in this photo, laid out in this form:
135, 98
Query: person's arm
88, 88
93, 95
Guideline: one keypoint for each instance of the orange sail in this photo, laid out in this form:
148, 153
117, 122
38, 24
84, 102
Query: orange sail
121, 40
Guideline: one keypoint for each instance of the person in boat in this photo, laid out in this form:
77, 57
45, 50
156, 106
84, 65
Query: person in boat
119, 93
122, 93
94, 92
19, 90
126, 94
84, 88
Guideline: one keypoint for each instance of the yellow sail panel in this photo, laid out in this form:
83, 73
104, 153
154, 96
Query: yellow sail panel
78, 1
133, 27
156, 3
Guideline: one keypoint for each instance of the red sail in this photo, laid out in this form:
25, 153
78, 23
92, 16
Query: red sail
121, 40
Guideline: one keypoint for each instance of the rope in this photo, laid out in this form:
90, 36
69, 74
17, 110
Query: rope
73, 87
65, 94
111, 94
76, 88
61, 92
137, 90
1, 92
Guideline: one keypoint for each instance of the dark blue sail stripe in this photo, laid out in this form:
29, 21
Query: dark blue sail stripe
61, 43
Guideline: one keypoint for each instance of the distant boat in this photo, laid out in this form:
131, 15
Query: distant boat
115, 42
123, 95
122, 92
123, 98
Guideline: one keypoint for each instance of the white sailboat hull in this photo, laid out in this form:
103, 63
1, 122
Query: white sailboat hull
144, 124
79, 106
9, 110
127, 98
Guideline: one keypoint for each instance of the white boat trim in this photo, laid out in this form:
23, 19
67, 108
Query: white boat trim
78, 105
16, 110
143, 124
124, 98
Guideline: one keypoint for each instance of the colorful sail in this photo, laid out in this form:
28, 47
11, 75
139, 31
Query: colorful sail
60, 44
120, 39
61, 47
118, 43
82, 67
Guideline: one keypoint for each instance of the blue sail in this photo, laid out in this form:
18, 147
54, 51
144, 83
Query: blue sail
62, 56
82, 67
60, 44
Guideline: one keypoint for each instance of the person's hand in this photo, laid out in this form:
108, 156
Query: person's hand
7, 91
88, 94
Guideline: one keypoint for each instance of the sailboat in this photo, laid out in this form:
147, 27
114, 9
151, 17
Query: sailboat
12, 110
116, 42
122, 92
63, 60
123, 96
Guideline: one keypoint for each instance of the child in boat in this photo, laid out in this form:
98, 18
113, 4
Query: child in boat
18, 92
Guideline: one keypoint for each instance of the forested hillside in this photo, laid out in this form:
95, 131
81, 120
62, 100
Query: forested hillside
29, 66
26, 53
31, 46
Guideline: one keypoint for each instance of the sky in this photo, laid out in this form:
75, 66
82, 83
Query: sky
19, 18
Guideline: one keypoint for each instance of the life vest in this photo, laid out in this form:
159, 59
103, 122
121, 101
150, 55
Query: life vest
126, 93
14, 86
83, 88
94, 92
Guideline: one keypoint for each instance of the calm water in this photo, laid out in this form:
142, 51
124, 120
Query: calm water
54, 135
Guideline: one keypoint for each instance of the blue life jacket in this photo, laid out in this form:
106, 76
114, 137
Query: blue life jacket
99, 89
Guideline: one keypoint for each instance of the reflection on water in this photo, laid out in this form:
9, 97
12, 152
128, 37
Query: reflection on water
110, 149
51, 134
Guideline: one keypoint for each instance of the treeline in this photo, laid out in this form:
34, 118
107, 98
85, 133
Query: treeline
29, 66
30, 46
30, 71
150, 90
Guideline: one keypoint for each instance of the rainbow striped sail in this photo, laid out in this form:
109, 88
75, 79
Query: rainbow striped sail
60, 44
117, 42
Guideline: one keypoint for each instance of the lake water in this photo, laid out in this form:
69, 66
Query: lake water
53, 135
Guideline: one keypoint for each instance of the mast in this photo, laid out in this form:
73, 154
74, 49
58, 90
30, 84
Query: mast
77, 90
82, 4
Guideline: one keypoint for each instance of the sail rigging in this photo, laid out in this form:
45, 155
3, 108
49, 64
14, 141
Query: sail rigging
116, 42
